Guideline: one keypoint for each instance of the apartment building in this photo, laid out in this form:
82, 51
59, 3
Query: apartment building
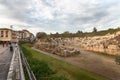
8, 35
27, 35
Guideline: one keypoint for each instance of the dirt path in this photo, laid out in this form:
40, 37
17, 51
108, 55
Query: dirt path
97, 63
100, 64
5, 58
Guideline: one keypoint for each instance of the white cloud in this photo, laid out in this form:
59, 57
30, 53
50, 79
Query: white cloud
7, 21
60, 15
42, 10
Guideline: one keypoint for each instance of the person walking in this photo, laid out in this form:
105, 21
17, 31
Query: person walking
11, 47
3, 44
6, 44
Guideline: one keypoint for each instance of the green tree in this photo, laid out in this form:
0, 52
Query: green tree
41, 35
66, 34
78, 32
94, 29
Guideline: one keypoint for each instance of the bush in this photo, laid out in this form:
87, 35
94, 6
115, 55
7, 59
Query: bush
117, 59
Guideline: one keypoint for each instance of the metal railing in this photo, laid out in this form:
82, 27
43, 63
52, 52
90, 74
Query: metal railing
17, 66
29, 71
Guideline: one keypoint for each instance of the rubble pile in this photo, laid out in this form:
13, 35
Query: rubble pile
108, 44
56, 46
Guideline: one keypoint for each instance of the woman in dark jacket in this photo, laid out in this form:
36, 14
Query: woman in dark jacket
11, 47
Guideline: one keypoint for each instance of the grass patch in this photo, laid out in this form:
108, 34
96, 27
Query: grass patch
25, 72
48, 68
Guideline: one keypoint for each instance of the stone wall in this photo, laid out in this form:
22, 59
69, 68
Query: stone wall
110, 51
109, 44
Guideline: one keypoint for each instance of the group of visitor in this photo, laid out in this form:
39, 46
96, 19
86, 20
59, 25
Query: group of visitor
7, 44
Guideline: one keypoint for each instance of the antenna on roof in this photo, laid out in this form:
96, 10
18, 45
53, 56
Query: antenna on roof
11, 26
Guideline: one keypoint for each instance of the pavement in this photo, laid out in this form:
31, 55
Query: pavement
5, 59
15, 67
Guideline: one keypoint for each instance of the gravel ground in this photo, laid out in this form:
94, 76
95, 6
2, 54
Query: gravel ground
5, 59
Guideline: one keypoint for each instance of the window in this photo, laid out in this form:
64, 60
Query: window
2, 34
6, 33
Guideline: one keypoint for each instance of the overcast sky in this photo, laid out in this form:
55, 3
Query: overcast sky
53, 16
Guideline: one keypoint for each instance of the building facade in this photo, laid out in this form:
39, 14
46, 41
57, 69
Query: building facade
5, 34
27, 35
8, 35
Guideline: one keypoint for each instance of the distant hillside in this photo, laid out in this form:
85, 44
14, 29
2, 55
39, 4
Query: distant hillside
99, 33
82, 34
